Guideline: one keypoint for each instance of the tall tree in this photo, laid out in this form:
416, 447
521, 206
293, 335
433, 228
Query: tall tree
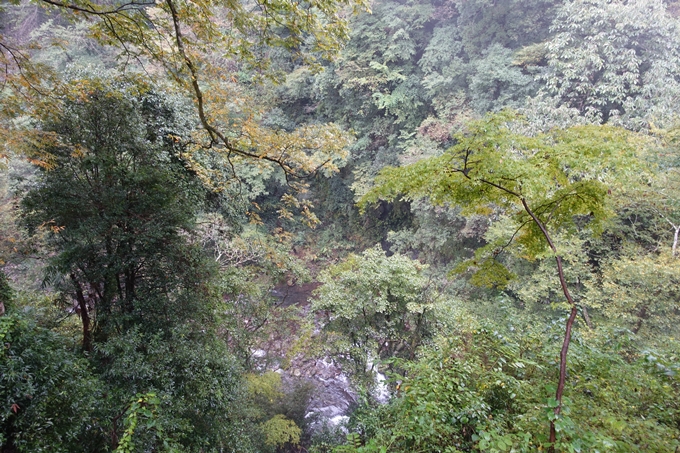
120, 207
118, 203
544, 185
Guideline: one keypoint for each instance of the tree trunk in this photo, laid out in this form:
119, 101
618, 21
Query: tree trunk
642, 315
563, 374
84, 315
416, 336
570, 323
586, 317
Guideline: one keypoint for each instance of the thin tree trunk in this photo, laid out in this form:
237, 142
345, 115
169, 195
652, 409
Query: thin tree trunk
416, 336
642, 314
572, 315
676, 233
586, 317
84, 315
570, 323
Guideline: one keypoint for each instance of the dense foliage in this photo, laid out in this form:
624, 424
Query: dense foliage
483, 390
462, 215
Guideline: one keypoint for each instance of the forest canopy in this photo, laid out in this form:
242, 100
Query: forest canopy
339, 226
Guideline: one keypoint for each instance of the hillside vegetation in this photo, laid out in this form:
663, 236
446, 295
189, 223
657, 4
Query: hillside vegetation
459, 217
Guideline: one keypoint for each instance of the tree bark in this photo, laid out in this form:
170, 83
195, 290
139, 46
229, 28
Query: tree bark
84, 315
586, 317
570, 323
676, 233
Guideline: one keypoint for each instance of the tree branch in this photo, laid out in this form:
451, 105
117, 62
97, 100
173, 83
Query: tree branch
570, 323
215, 135
90, 9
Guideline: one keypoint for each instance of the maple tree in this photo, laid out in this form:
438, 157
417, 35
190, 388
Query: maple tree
214, 52
541, 184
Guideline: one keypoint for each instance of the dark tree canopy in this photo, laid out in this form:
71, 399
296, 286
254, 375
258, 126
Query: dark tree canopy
119, 205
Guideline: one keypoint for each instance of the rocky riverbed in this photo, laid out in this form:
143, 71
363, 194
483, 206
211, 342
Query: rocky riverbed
333, 394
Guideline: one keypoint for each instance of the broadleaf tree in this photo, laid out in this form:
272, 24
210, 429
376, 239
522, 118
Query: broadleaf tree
211, 52
120, 208
542, 184
377, 306
615, 59
117, 202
